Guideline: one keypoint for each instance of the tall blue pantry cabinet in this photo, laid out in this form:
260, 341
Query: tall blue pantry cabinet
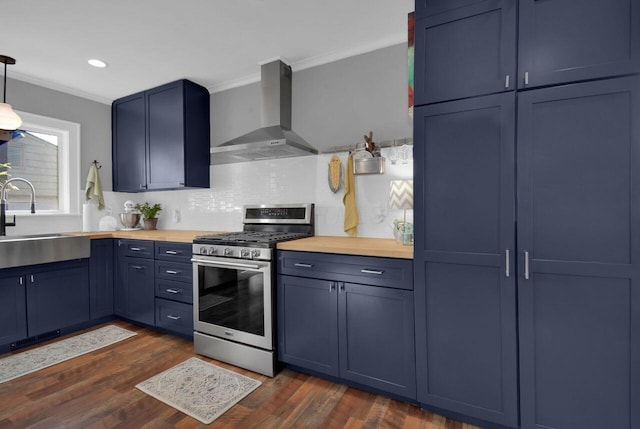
527, 211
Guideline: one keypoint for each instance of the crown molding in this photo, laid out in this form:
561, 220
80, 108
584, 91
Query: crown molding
61, 88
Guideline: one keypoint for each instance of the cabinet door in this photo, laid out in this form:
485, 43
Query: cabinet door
579, 213
465, 52
129, 140
464, 278
57, 298
165, 155
101, 269
308, 324
376, 330
572, 40
134, 292
13, 313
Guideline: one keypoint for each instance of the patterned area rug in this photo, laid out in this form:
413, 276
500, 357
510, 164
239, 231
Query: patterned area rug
20, 364
200, 389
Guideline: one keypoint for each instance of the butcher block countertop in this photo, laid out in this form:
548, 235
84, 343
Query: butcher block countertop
384, 247
156, 235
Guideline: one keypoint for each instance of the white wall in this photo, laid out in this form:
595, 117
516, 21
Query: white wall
291, 180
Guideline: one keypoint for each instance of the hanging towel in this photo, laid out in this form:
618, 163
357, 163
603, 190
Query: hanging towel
351, 219
93, 191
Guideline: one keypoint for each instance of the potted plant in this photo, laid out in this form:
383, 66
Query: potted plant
149, 214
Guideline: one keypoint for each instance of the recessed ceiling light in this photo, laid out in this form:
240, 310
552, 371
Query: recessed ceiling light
97, 63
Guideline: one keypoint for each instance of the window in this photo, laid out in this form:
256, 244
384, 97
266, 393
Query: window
45, 151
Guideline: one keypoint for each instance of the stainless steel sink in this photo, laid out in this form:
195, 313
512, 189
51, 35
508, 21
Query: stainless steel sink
22, 250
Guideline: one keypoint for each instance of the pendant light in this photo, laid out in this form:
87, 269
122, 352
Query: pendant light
9, 120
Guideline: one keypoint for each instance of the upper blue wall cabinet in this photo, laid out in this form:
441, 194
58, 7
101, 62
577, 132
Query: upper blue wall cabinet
574, 40
465, 51
161, 138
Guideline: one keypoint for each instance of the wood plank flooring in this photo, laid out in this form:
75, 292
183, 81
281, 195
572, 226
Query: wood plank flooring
97, 390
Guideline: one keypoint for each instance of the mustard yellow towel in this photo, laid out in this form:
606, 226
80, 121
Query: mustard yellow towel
351, 219
93, 190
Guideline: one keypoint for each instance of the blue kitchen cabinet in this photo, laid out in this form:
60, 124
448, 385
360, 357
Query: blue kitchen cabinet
308, 324
13, 312
38, 301
467, 49
129, 143
174, 287
161, 138
354, 330
579, 268
57, 296
134, 294
574, 40
464, 257
101, 278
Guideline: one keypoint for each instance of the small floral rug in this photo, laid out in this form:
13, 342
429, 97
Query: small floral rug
20, 364
199, 389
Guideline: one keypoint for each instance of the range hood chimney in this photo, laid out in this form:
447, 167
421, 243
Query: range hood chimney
274, 139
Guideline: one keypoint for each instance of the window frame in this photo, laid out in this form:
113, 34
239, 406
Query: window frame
68, 160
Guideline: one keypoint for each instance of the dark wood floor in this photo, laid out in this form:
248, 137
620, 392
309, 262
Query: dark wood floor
97, 390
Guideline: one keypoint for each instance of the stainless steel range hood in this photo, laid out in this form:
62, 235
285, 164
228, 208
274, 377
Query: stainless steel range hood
274, 139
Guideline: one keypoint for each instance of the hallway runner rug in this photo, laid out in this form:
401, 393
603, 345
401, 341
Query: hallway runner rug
20, 364
199, 389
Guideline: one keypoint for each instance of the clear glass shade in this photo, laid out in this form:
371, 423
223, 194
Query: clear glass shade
9, 120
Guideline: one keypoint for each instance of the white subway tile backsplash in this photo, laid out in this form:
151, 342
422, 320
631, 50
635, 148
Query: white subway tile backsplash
278, 181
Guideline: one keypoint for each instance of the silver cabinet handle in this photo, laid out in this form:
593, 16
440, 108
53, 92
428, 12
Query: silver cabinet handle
526, 78
366, 271
172, 272
526, 265
21, 281
332, 287
341, 287
32, 279
506, 261
137, 267
173, 317
506, 81
301, 265
173, 291
135, 249
170, 252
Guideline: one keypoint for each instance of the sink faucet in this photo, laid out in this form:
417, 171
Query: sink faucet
3, 204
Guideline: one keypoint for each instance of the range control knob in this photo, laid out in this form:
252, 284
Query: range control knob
255, 253
203, 250
244, 253
227, 251
212, 251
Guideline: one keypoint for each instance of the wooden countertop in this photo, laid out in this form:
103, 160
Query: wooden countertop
180, 236
385, 247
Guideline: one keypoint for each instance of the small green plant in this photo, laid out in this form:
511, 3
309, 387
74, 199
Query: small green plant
149, 211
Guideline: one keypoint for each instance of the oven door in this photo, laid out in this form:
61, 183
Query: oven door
232, 299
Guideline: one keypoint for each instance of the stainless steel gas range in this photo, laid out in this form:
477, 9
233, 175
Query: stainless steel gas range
234, 285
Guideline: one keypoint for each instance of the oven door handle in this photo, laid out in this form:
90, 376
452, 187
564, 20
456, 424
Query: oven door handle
224, 264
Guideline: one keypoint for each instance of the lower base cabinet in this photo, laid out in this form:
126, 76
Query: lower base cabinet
351, 330
154, 284
40, 299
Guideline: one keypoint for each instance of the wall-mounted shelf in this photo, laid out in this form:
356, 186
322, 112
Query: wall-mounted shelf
379, 145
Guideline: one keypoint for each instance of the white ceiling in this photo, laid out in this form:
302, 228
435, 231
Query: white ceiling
216, 43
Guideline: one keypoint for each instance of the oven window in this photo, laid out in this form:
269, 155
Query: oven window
231, 298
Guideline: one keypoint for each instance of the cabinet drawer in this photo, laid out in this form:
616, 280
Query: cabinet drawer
173, 290
176, 271
136, 248
174, 316
170, 251
387, 272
